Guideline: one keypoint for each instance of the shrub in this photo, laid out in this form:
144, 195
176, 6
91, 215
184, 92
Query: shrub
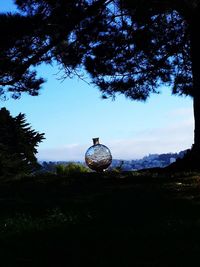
70, 168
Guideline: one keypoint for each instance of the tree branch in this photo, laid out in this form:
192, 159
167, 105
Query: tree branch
35, 59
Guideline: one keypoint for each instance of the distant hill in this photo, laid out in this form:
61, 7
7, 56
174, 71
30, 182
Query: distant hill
150, 161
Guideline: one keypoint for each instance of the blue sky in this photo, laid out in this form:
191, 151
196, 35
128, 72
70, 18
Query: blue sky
71, 113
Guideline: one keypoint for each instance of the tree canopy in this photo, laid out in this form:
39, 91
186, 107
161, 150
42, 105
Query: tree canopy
18, 144
128, 47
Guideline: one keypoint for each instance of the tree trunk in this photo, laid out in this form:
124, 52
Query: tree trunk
195, 56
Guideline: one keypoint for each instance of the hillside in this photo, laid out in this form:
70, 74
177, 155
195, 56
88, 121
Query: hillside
150, 161
146, 218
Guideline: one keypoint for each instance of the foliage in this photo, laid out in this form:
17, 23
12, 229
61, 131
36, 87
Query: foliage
70, 169
49, 166
127, 47
18, 144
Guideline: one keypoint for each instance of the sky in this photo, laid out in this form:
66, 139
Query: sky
71, 113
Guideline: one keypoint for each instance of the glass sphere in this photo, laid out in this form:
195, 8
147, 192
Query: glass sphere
98, 157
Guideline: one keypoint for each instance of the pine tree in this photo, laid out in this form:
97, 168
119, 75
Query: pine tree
18, 144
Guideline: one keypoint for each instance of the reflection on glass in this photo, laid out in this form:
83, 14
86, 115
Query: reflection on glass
98, 156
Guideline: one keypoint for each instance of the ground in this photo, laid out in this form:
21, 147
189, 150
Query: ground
147, 218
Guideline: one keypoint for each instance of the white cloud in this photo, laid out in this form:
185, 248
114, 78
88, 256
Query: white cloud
174, 137
171, 138
72, 152
163, 140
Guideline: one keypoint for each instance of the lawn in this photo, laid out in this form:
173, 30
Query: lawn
146, 218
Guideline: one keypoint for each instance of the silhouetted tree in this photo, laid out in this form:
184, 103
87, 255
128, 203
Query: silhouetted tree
128, 46
18, 144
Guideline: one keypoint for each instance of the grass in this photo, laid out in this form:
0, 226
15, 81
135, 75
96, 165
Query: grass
147, 218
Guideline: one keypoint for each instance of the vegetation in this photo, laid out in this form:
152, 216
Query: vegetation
146, 218
18, 144
127, 47
70, 169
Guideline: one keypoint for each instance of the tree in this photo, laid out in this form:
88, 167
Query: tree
18, 144
129, 47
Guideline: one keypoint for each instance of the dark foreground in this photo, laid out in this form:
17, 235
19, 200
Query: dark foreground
128, 219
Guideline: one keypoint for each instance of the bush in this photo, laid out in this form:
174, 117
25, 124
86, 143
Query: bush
70, 169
